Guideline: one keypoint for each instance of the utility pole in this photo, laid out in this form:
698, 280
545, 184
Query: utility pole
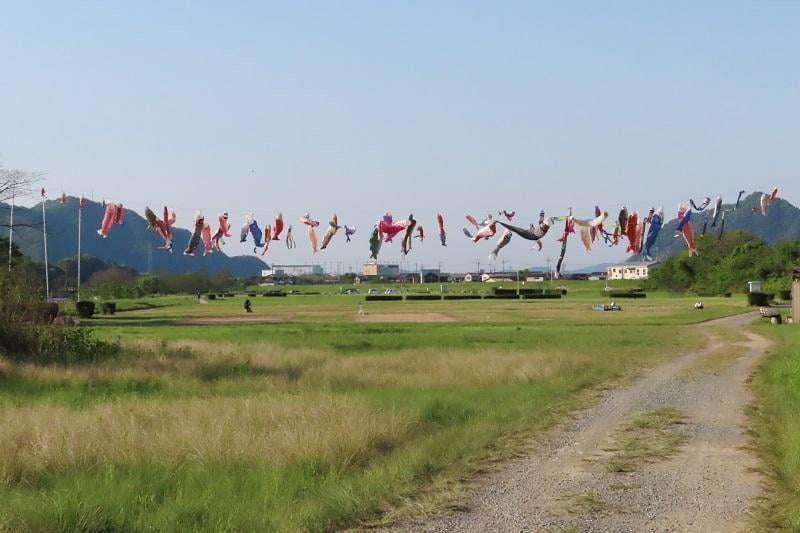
11, 222
80, 214
44, 235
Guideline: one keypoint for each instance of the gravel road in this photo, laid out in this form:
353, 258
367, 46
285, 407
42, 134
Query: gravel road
708, 485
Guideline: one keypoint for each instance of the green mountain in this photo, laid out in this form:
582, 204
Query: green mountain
782, 223
131, 244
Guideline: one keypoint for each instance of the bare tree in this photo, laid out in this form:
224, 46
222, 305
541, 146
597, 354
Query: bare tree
15, 182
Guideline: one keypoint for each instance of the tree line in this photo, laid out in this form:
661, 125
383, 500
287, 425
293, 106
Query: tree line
726, 264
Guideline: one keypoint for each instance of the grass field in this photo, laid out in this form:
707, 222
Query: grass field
319, 419
776, 421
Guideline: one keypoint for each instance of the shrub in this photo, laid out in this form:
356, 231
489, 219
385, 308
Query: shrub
212, 296
462, 296
44, 343
48, 311
541, 296
499, 290
501, 296
632, 293
71, 345
108, 308
786, 295
383, 298
423, 297
759, 299
85, 308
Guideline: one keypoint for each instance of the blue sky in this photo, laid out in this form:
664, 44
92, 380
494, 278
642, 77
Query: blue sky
362, 107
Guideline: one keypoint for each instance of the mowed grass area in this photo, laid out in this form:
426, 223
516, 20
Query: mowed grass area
776, 426
316, 422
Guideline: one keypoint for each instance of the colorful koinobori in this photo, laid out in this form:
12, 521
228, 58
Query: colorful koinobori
641, 233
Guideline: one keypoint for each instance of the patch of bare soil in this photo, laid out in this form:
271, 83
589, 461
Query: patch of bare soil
222, 320
422, 318
706, 483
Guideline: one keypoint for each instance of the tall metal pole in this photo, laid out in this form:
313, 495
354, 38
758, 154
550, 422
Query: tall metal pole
11, 223
44, 234
80, 214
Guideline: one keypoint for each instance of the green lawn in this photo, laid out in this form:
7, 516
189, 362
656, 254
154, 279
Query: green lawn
776, 425
318, 421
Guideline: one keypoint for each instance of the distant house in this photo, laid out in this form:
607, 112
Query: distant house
373, 269
433, 276
597, 276
629, 271
465, 277
495, 277
292, 270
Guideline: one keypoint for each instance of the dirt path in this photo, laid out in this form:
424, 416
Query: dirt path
564, 484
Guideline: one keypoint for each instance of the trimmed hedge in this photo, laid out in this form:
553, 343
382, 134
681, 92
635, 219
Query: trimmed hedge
274, 293
501, 296
423, 297
212, 296
541, 296
85, 308
633, 293
498, 290
462, 297
48, 311
108, 308
383, 298
759, 299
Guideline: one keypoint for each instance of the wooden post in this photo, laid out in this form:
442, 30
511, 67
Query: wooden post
796, 296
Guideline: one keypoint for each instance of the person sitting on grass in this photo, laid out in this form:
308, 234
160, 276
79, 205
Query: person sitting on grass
248, 306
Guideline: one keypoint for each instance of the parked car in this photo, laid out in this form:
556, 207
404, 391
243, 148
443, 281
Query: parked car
373, 292
392, 291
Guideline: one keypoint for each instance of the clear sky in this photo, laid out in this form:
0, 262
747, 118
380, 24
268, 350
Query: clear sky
362, 107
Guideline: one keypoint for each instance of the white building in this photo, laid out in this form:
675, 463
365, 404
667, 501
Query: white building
293, 270
630, 271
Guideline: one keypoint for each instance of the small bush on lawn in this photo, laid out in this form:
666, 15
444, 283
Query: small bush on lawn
759, 299
85, 309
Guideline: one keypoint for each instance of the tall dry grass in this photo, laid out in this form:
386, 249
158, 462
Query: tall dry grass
299, 367
333, 431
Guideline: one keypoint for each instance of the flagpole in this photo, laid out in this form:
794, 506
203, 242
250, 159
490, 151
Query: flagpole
44, 234
11, 223
80, 212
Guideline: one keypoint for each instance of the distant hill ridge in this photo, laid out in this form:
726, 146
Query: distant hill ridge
782, 223
128, 244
